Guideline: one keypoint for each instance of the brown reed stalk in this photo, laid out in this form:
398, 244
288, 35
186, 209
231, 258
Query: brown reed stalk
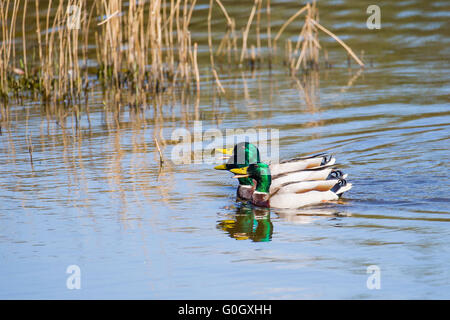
269, 33
229, 39
88, 19
24, 42
219, 85
13, 32
284, 26
7, 48
246, 31
347, 48
223, 43
258, 29
211, 56
161, 158
3, 49
38, 31
230, 26
197, 74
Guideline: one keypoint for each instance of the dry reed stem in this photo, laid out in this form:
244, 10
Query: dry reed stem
161, 158
304, 47
299, 12
197, 74
24, 43
223, 42
318, 25
230, 32
38, 29
211, 56
269, 32
227, 17
258, 32
247, 29
112, 15
218, 81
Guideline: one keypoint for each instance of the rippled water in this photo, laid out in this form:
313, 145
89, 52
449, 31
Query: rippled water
97, 197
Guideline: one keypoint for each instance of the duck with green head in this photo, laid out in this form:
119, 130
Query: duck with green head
243, 154
291, 195
250, 151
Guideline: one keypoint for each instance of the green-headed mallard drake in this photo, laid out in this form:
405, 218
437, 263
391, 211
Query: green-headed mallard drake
246, 151
290, 195
317, 167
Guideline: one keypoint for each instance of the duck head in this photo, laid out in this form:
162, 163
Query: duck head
259, 172
242, 155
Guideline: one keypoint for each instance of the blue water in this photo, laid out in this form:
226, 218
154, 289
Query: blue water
98, 198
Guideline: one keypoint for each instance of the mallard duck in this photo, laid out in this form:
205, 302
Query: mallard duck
290, 195
317, 167
246, 151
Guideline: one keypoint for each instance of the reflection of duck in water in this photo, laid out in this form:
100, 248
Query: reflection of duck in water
249, 223
309, 214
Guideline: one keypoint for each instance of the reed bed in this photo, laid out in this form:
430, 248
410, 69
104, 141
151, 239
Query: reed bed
141, 47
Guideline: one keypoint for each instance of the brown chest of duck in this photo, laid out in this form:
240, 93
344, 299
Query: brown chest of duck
260, 174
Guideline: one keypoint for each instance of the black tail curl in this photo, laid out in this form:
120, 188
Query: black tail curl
335, 174
341, 183
326, 159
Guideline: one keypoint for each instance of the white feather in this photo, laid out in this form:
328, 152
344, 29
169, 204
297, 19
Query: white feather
294, 200
301, 176
298, 187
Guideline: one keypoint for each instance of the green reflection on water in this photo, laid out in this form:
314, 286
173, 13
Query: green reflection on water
248, 223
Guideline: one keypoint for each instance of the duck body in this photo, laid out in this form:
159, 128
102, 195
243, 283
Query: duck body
290, 195
322, 173
300, 181
291, 200
301, 163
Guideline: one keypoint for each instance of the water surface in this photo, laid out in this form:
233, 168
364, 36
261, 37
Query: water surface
98, 198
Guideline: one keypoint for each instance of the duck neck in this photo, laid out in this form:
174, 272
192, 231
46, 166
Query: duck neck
262, 192
246, 181
263, 183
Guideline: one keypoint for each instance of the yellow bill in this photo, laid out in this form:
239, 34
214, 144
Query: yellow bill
240, 172
221, 167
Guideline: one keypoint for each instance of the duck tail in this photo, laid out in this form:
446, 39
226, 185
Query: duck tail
328, 160
341, 187
336, 174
